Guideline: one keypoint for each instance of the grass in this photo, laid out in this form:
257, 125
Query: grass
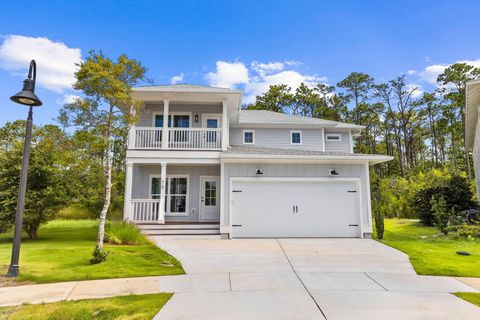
126, 308
430, 252
64, 247
472, 297
120, 232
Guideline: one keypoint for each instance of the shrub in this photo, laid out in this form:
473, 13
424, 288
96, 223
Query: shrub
441, 213
423, 206
456, 193
98, 256
464, 231
120, 232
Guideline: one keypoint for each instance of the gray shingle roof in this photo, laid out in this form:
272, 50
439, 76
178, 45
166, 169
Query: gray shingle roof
290, 152
264, 116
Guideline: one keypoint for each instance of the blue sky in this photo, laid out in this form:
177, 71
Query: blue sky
242, 44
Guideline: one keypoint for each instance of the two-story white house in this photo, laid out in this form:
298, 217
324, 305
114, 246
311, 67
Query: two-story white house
198, 164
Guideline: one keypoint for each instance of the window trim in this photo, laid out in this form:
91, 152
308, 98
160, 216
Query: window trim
291, 137
174, 113
331, 135
253, 136
167, 192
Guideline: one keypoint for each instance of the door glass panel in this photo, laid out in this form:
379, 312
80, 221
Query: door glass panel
159, 120
180, 121
210, 193
212, 123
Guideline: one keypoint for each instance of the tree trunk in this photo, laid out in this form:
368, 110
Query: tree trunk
108, 184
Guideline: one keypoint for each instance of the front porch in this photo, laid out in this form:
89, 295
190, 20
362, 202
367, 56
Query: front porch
170, 193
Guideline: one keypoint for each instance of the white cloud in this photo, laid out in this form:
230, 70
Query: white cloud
258, 79
228, 75
431, 72
260, 84
55, 60
418, 92
411, 72
177, 79
266, 68
69, 98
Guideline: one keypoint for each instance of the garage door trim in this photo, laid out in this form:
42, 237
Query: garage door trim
298, 179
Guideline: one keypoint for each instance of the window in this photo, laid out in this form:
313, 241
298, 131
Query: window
176, 193
295, 137
248, 136
333, 137
174, 120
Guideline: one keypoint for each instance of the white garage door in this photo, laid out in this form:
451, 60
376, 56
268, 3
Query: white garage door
294, 208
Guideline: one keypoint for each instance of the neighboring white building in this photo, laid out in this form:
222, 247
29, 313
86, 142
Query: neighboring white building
472, 127
197, 164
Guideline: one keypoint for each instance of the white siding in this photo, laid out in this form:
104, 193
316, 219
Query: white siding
279, 138
140, 182
476, 156
338, 146
299, 170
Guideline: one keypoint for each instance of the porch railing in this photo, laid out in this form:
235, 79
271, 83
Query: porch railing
178, 138
146, 210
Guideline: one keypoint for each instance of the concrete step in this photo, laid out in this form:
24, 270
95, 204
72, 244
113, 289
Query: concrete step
181, 231
177, 226
184, 236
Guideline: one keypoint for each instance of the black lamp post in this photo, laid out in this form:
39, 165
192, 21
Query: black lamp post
26, 97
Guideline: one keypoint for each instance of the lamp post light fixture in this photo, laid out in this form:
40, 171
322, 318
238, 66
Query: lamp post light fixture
26, 97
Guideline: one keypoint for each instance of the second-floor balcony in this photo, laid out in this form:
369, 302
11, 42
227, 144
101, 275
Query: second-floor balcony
152, 138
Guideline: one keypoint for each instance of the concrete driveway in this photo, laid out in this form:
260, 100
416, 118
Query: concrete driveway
307, 279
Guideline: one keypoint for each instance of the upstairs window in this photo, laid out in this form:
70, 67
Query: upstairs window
248, 137
295, 137
333, 137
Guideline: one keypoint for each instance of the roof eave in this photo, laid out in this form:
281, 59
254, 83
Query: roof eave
371, 159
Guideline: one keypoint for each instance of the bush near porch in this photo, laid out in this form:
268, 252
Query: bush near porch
64, 248
430, 251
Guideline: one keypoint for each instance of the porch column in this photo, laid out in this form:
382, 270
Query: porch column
127, 206
165, 124
225, 131
163, 186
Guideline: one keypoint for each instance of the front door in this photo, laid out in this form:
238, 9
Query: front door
209, 198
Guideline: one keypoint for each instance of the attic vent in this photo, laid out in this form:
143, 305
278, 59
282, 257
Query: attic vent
333, 137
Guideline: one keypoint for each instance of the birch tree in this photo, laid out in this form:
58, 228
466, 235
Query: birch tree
107, 86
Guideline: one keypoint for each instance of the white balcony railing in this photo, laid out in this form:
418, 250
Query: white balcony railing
146, 210
178, 138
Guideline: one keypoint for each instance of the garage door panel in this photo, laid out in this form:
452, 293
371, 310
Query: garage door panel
269, 209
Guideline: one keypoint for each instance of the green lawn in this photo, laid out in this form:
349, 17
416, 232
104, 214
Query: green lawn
430, 252
471, 297
125, 308
64, 247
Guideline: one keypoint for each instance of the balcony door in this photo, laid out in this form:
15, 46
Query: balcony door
212, 121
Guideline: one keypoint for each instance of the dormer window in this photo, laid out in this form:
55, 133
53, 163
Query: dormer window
295, 137
248, 137
333, 137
